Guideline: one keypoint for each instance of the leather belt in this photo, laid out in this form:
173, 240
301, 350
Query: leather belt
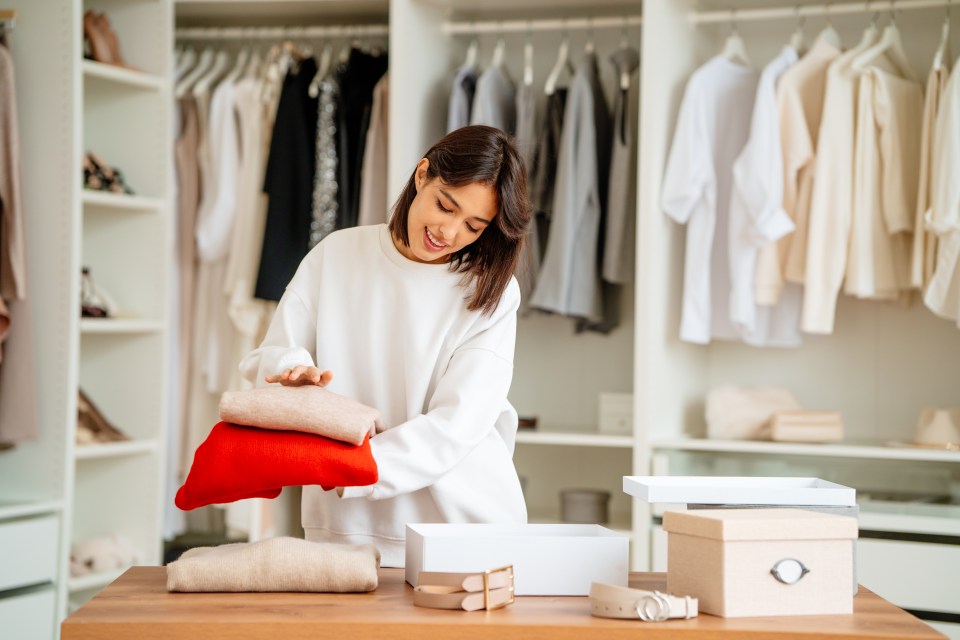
609, 601
489, 590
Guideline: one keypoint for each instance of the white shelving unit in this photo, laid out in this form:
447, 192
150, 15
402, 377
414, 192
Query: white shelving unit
68, 105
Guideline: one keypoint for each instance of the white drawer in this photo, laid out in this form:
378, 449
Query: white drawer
28, 552
30, 616
912, 575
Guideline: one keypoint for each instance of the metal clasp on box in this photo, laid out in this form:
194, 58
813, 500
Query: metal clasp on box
486, 588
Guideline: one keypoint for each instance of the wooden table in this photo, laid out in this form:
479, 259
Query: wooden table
137, 605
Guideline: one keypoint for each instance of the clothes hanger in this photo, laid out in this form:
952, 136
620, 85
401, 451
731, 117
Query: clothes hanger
589, 48
206, 82
562, 64
203, 64
254, 66
188, 57
943, 49
528, 57
829, 34
891, 45
323, 67
472, 49
238, 66
626, 58
798, 40
734, 49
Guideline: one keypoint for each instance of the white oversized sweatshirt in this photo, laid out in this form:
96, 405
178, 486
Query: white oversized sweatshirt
397, 336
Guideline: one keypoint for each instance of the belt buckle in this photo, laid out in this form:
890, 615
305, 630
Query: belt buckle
653, 607
486, 588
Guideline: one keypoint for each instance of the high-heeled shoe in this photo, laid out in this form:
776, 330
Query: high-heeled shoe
112, 178
97, 42
103, 24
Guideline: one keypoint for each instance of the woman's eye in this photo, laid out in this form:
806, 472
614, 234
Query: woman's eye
441, 207
472, 230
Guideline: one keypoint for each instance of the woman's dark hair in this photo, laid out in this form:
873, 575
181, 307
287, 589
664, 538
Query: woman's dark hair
486, 155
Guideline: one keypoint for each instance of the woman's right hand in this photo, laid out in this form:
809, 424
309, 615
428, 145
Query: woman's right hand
302, 375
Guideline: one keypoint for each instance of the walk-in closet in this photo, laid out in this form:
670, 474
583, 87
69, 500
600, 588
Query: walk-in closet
743, 260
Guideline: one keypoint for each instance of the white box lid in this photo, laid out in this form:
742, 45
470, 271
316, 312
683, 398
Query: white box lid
739, 490
760, 524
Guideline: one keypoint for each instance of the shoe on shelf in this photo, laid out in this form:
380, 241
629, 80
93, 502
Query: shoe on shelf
110, 178
97, 43
92, 426
94, 302
113, 42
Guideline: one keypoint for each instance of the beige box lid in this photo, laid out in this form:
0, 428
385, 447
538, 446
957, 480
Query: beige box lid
761, 524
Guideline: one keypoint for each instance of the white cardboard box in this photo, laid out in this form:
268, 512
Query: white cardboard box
739, 490
737, 562
547, 559
615, 414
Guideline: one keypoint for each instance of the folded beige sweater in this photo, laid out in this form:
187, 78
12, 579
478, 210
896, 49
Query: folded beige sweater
276, 564
309, 408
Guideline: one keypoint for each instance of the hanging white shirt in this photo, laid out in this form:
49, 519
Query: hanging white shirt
757, 218
943, 293
828, 229
712, 128
800, 105
886, 159
924, 243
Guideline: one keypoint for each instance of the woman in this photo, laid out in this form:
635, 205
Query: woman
417, 319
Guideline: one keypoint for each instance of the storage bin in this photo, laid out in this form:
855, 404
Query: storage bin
28, 551
761, 562
584, 506
547, 559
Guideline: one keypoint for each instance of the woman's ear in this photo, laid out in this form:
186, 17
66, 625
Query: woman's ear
421, 173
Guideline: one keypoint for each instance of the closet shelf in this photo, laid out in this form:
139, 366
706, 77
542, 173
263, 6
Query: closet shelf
120, 202
119, 326
94, 580
574, 439
9, 510
115, 449
120, 76
869, 450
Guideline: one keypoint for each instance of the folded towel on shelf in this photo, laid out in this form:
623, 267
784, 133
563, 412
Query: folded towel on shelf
807, 426
744, 413
276, 564
309, 408
237, 462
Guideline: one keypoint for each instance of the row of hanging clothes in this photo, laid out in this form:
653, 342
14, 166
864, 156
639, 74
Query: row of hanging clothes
827, 170
277, 146
18, 413
580, 156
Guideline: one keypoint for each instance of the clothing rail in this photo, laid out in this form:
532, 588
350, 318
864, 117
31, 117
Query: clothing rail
552, 24
803, 11
279, 33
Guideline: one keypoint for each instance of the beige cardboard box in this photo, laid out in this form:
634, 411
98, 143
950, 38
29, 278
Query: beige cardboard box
761, 562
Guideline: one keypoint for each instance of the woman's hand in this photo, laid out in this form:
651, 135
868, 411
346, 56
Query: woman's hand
300, 376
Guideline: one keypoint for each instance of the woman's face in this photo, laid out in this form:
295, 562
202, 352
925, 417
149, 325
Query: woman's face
444, 219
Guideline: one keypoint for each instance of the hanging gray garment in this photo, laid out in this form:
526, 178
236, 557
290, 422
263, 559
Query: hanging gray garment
543, 170
529, 265
569, 280
620, 234
461, 98
495, 102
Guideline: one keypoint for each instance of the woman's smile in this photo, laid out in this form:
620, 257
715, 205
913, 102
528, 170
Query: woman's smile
431, 242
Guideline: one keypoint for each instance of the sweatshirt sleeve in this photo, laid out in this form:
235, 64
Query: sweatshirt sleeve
461, 412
